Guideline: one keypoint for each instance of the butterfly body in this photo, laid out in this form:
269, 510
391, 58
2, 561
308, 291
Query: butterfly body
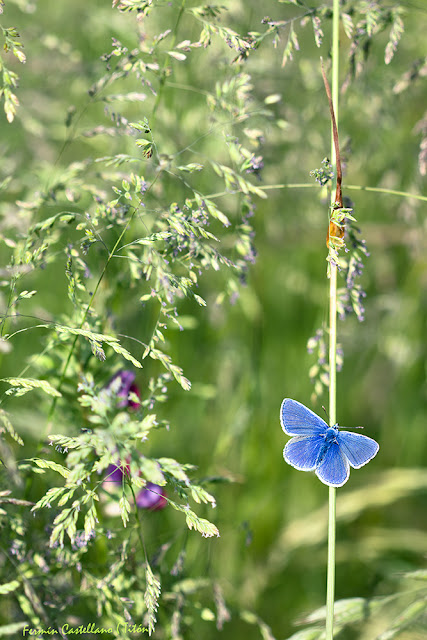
315, 446
330, 437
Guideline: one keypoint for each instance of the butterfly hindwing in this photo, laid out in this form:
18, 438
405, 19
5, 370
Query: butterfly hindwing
297, 420
357, 448
302, 452
334, 470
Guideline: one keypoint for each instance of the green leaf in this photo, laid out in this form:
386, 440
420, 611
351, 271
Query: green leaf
212, 209
142, 125
396, 32
96, 340
175, 469
90, 522
132, 96
272, 99
406, 619
177, 55
318, 33
151, 597
53, 466
199, 300
290, 45
9, 587
152, 471
348, 25
10, 630
26, 294
190, 168
97, 350
21, 386
124, 353
53, 494
154, 237
166, 360
7, 427
125, 509
203, 526
148, 422
201, 495
65, 522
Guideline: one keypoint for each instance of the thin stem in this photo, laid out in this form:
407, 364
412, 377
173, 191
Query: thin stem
139, 523
165, 64
330, 582
390, 192
335, 141
89, 305
83, 320
332, 343
330, 585
313, 185
333, 267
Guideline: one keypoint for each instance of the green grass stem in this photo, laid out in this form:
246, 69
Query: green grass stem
313, 185
330, 586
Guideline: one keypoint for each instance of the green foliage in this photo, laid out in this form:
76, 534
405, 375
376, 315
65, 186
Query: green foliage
10, 78
353, 611
21, 386
151, 598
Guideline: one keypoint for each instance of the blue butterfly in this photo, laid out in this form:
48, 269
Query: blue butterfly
320, 448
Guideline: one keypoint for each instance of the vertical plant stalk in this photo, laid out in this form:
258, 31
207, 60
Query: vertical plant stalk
330, 583
330, 587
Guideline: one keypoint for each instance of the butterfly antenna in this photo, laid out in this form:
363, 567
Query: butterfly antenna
327, 414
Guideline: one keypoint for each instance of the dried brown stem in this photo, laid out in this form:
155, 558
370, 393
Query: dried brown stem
333, 229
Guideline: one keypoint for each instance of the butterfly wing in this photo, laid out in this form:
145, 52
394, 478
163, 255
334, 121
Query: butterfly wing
334, 469
297, 420
357, 448
303, 452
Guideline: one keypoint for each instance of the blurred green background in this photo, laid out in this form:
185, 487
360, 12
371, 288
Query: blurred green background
243, 359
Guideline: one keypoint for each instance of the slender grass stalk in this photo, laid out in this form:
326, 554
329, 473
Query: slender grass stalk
330, 586
312, 185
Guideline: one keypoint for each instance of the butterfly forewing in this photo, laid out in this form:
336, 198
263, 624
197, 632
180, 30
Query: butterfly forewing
297, 420
357, 448
303, 452
334, 470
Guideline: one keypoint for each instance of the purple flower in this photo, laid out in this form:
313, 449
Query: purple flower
115, 474
127, 385
153, 497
